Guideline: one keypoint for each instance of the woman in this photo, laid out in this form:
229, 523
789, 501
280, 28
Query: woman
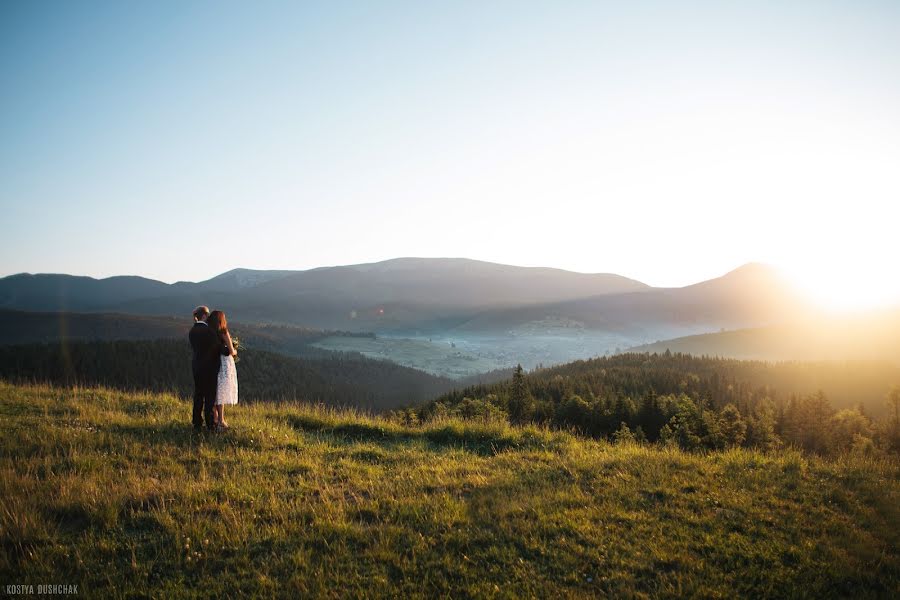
227, 390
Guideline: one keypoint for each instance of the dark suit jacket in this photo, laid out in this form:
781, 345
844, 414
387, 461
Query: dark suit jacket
207, 348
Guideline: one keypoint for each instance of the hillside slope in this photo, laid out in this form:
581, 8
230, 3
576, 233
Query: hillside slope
874, 336
750, 295
698, 402
112, 492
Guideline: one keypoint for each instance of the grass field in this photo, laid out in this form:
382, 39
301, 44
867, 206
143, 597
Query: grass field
115, 493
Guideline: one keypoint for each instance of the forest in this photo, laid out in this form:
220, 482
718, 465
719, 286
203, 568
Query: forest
164, 366
696, 402
21, 327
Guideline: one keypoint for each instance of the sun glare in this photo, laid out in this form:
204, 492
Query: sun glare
853, 288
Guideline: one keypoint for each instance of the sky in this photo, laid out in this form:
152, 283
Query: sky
666, 141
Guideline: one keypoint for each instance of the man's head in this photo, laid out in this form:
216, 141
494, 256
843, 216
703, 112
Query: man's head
201, 313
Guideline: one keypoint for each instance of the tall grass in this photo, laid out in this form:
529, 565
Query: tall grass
116, 493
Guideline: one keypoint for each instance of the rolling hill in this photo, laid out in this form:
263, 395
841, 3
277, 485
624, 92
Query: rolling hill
752, 294
874, 336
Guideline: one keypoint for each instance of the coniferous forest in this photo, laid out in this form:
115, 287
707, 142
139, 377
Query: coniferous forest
165, 366
697, 402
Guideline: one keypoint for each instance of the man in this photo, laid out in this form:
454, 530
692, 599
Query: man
205, 364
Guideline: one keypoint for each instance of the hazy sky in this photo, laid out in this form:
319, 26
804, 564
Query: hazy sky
666, 141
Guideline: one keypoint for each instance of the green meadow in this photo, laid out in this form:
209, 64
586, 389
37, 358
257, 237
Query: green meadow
114, 492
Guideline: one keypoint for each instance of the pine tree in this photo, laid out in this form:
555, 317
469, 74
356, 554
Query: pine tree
761, 427
624, 435
732, 425
519, 398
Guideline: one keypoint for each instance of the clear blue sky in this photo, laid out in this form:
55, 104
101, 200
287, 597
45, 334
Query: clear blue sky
667, 141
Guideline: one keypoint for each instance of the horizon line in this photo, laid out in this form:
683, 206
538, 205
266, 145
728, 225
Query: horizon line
376, 262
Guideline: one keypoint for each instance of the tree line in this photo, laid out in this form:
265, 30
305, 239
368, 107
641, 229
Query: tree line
165, 366
693, 402
21, 327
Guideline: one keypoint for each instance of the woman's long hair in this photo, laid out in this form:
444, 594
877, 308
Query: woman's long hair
218, 323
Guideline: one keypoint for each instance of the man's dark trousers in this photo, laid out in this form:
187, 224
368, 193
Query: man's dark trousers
204, 398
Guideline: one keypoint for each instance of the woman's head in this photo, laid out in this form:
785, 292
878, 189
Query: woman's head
217, 321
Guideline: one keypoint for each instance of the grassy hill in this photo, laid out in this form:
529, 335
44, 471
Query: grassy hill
113, 492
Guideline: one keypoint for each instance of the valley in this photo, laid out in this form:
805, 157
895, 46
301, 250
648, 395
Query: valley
460, 354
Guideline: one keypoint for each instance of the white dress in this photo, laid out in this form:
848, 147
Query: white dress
227, 390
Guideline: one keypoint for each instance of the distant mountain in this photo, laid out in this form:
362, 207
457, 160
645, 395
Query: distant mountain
234, 280
399, 293
432, 295
751, 295
57, 292
69, 292
450, 282
875, 336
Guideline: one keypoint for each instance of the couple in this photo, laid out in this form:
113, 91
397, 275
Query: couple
215, 375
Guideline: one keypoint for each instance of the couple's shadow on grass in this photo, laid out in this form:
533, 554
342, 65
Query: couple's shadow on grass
171, 433
481, 441
450, 436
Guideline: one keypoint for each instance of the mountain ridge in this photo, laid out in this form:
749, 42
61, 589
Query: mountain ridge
426, 294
